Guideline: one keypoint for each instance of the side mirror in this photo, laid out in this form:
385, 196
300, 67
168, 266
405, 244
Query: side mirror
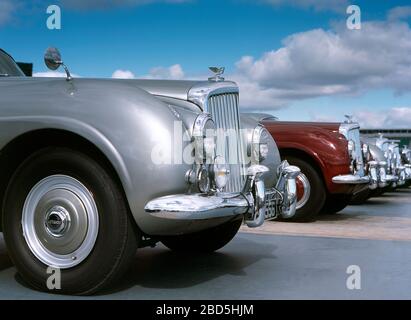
52, 59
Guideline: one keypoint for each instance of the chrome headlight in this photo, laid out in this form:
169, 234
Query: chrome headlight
257, 149
204, 134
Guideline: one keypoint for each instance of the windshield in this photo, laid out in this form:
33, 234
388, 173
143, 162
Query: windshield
8, 67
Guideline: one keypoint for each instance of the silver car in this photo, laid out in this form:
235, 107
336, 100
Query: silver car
92, 169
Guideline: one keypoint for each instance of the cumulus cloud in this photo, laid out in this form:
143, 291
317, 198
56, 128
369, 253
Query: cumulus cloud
399, 13
7, 9
104, 4
318, 5
399, 118
123, 74
174, 72
319, 63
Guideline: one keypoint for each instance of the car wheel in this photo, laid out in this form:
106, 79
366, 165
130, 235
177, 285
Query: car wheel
209, 240
311, 192
378, 192
336, 203
361, 197
64, 211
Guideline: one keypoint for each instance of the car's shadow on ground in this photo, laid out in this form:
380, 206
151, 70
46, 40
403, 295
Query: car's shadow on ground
5, 261
165, 269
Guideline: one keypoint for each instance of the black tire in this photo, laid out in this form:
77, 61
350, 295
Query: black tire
206, 241
117, 239
378, 192
406, 185
317, 195
336, 203
361, 197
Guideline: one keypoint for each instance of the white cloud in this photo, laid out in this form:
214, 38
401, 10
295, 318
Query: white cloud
174, 72
7, 9
399, 117
399, 13
123, 74
319, 5
319, 63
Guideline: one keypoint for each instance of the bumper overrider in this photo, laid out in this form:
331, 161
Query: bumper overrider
255, 202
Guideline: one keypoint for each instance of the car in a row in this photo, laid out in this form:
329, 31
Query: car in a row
93, 169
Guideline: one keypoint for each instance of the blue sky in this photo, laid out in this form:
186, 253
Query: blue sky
146, 39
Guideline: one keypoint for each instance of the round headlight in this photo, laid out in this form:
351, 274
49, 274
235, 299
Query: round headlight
204, 134
258, 146
221, 172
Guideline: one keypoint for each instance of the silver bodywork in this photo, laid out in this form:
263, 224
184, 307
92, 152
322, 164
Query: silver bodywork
124, 119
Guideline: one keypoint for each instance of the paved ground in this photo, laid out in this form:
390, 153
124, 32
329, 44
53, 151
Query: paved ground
278, 261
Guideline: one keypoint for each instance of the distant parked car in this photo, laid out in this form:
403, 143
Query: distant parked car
334, 163
81, 190
406, 158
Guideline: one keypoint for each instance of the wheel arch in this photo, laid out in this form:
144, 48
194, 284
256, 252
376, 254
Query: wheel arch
298, 153
21, 147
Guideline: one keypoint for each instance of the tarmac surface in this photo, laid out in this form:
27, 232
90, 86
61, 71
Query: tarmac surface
276, 261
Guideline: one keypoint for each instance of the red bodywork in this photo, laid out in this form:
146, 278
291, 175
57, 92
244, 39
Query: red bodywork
320, 142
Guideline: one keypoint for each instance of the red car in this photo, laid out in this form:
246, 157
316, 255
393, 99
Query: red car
331, 158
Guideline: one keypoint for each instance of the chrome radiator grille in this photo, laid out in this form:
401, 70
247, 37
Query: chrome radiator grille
352, 132
225, 113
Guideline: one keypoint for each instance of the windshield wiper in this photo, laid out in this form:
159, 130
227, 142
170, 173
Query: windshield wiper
4, 74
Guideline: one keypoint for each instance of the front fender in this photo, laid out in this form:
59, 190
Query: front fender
120, 119
273, 160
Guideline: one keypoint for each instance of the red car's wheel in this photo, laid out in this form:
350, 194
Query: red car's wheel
311, 192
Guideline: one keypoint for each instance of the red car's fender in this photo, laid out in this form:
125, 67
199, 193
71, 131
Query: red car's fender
319, 143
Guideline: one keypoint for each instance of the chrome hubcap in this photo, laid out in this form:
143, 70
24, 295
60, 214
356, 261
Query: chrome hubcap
303, 181
57, 221
60, 221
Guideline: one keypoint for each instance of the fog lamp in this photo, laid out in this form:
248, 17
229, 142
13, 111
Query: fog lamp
221, 172
203, 181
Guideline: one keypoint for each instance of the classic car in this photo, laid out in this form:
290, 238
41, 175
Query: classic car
334, 164
380, 170
91, 171
406, 158
394, 159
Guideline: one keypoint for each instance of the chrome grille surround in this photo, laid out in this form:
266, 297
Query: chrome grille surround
221, 100
351, 131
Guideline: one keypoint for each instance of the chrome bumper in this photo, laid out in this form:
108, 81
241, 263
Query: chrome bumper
252, 202
351, 179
